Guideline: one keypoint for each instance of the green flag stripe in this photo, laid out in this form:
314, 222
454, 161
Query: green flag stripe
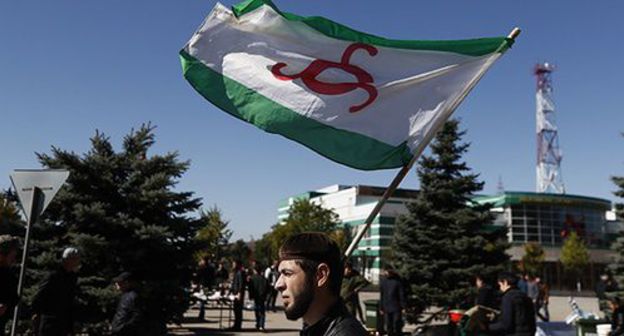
348, 148
472, 47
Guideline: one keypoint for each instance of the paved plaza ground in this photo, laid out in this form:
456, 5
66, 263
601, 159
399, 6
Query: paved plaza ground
218, 320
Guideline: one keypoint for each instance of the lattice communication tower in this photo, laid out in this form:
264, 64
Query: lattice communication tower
549, 179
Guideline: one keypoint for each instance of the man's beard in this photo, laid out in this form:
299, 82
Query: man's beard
302, 302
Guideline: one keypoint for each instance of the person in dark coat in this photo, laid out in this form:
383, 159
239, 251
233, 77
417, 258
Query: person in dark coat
392, 301
204, 279
517, 312
605, 287
128, 315
271, 274
8, 280
543, 297
238, 290
486, 295
221, 275
311, 271
617, 317
352, 283
53, 304
258, 292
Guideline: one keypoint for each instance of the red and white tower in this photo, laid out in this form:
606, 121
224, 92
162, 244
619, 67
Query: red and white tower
549, 179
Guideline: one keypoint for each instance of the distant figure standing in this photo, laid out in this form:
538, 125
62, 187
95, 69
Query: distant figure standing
542, 300
522, 283
8, 280
206, 273
204, 279
617, 317
532, 289
271, 274
127, 319
604, 287
53, 304
392, 305
221, 276
258, 290
486, 295
238, 290
352, 283
517, 310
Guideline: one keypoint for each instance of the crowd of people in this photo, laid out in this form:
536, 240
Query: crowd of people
310, 277
314, 283
307, 276
217, 284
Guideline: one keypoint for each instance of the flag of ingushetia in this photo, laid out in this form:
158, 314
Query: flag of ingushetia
361, 100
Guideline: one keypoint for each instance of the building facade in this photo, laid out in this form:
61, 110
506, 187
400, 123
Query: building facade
547, 219
529, 217
353, 204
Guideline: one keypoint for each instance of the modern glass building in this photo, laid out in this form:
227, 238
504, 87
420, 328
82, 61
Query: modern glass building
547, 219
529, 217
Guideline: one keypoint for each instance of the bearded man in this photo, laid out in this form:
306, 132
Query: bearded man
311, 271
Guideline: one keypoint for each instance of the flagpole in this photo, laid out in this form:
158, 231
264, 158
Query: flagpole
386, 195
403, 172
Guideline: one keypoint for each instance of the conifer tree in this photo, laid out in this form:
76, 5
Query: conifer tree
121, 210
10, 220
446, 238
214, 236
617, 266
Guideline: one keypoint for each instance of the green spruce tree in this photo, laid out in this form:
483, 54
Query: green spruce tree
214, 236
10, 221
122, 211
446, 238
617, 266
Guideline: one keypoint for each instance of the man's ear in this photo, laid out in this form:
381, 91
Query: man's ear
322, 275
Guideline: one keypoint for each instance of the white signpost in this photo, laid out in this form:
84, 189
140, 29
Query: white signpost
35, 189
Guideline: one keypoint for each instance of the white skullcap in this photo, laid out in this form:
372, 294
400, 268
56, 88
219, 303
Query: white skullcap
70, 252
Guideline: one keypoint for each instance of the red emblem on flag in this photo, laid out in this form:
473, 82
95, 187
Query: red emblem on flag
309, 74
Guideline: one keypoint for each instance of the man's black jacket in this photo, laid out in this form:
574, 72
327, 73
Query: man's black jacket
336, 322
517, 315
617, 322
54, 302
126, 321
8, 293
392, 295
258, 288
238, 283
486, 296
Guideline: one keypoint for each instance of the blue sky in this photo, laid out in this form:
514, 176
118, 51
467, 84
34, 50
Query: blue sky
68, 68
